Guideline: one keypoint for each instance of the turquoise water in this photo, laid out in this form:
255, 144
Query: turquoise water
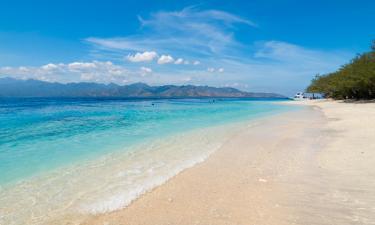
71, 158
42, 134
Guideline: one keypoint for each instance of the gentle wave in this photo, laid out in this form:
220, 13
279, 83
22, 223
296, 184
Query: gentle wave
64, 160
109, 183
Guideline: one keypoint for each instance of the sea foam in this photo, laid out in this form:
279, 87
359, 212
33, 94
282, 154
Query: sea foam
63, 160
111, 182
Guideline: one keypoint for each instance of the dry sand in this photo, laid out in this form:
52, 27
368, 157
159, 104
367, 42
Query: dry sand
313, 166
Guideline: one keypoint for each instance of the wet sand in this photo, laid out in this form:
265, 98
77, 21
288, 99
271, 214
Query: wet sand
312, 166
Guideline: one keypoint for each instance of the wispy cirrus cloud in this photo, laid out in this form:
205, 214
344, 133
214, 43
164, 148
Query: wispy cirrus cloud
287, 55
193, 15
189, 31
290, 53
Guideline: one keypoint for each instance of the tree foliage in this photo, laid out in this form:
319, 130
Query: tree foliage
355, 80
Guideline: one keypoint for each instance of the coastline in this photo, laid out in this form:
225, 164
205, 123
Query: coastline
96, 185
294, 168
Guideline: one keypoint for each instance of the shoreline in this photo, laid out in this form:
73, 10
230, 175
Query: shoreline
286, 171
67, 196
186, 181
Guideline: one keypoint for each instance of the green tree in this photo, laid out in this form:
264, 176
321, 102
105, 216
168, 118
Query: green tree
355, 80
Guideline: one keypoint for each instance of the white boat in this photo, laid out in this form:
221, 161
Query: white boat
299, 96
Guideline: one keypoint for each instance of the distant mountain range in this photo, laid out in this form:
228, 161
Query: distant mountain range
10, 87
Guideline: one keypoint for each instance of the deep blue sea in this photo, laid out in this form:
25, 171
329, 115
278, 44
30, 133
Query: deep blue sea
43, 141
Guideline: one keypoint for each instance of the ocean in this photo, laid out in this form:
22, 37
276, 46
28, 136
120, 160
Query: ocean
64, 157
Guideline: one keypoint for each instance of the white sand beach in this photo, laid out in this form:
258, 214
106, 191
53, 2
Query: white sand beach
312, 166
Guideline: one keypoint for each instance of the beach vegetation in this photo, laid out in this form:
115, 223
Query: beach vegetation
354, 80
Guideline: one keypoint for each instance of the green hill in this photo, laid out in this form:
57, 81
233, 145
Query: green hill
10, 87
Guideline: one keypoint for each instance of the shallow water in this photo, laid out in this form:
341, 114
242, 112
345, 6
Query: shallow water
82, 156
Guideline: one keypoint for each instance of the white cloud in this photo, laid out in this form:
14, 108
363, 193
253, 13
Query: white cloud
272, 66
186, 79
210, 69
142, 57
179, 61
165, 59
78, 66
190, 30
193, 13
196, 62
185, 62
49, 66
24, 69
297, 55
145, 71
87, 76
95, 71
209, 36
6, 68
236, 85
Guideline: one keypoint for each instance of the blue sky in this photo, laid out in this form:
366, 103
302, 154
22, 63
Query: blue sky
257, 45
